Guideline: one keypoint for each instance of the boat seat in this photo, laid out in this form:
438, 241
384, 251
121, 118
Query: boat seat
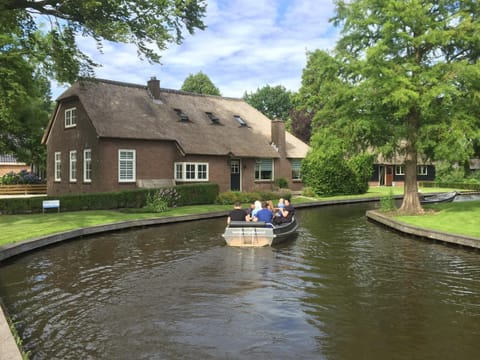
237, 224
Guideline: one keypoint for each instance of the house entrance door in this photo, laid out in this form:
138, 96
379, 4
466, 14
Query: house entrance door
389, 176
235, 175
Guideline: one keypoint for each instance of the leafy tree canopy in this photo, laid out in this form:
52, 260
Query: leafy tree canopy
405, 76
48, 29
200, 84
272, 101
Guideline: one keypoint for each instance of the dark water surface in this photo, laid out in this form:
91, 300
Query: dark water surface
344, 289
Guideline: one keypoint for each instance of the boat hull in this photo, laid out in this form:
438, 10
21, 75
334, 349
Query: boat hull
248, 234
439, 198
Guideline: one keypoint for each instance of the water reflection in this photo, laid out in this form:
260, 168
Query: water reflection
344, 289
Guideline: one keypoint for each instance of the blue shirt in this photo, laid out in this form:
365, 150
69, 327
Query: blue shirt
264, 215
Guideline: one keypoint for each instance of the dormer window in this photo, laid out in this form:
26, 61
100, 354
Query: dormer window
215, 120
181, 115
239, 119
70, 117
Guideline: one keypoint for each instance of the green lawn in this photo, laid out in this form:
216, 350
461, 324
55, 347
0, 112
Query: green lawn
22, 227
454, 217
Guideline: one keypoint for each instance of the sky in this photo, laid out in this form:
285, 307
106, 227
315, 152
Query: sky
247, 44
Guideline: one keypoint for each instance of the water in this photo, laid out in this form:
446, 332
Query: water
344, 289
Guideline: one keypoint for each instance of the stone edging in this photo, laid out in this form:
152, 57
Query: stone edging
423, 232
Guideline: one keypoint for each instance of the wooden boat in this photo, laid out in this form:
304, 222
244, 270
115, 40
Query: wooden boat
438, 198
256, 234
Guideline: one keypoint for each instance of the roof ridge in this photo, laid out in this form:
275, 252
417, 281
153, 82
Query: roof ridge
167, 90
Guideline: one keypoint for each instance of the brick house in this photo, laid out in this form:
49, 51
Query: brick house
109, 136
391, 171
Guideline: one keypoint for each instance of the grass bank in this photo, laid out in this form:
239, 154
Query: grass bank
456, 218
17, 228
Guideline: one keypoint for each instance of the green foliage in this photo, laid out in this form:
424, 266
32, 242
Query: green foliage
410, 83
143, 23
200, 84
272, 101
328, 173
230, 197
362, 166
22, 177
281, 182
195, 194
155, 202
307, 191
387, 202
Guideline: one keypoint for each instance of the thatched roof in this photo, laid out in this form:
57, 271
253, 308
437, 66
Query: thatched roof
119, 110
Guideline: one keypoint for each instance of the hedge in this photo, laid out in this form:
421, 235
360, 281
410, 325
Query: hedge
194, 194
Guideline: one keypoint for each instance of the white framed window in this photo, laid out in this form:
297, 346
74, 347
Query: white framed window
73, 166
296, 167
422, 170
264, 169
87, 165
71, 117
185, 171
126, 166
58, 166
399, 169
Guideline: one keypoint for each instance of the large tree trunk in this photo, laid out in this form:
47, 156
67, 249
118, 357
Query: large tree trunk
411, 201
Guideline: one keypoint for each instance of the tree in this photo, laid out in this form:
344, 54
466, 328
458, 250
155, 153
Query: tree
409, 80
272, 101
200, 84
48, 29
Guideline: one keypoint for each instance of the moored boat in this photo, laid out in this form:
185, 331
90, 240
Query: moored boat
257, 234
438, 198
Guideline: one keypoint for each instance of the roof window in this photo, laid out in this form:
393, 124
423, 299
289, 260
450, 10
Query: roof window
215, 120
182, 116
239, 119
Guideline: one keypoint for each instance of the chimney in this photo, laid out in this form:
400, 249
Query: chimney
278, 137
153, 86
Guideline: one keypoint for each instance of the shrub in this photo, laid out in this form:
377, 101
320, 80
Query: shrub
23, 177
281, 182
387, 202
156, 202
230, 197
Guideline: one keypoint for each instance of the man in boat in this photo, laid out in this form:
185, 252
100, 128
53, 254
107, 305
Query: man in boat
237, 214
287, 213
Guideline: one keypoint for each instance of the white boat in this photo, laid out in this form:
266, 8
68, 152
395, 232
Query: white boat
257, 234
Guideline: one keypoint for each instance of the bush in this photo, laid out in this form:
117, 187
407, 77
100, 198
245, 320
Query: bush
387, 202
23, 177
156, 202
230, 197
282, 183
328, 174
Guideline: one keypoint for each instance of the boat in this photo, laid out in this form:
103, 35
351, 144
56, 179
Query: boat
438, 198
257, 234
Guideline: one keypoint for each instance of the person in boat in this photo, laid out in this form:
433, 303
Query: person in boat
250, 210
280, 206
287, 213
265, 214
258, 207
237, 214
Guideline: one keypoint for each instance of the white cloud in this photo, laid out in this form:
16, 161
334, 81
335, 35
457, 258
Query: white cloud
247, 44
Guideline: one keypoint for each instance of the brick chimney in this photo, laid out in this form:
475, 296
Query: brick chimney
153, 86
278, 137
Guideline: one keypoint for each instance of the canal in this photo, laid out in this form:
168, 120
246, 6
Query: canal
345, 288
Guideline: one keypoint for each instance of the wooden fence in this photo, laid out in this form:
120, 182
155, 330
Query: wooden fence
30, 189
